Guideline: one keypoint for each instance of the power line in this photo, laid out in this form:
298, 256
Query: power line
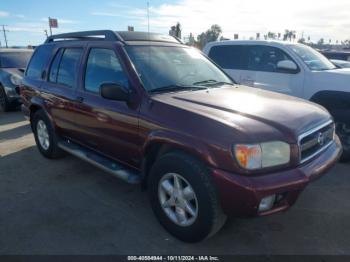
4, 31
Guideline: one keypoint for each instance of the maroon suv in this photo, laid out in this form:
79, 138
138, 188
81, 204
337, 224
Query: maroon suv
150, 110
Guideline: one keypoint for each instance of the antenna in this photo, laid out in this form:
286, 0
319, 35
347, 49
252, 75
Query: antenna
148, 15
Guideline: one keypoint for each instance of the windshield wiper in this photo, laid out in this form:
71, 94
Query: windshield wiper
212, 82
170, 88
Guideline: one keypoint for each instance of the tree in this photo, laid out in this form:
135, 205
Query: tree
302, 40
271, 35
320, 42
289, 35
210, 35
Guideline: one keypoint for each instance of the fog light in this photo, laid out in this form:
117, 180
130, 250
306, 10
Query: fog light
267, 203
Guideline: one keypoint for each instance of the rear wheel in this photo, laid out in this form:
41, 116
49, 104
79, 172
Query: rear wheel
343, 131
45, 137
184, 198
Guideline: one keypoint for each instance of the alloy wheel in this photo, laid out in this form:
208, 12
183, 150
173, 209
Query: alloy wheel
178, 199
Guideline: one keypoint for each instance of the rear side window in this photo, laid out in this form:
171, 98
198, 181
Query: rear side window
230, 56
54, 66
68, 66
103, 66
39, 61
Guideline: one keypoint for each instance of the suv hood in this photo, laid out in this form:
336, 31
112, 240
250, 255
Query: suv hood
14, 71
250, 110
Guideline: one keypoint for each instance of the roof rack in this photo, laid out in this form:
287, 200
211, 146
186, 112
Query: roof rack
108, 35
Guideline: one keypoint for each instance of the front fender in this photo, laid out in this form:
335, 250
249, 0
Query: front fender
182, 142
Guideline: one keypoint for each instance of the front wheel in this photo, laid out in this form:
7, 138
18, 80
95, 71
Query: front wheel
343, 131
184, 198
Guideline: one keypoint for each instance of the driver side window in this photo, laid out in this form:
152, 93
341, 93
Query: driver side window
103, 66
265, 58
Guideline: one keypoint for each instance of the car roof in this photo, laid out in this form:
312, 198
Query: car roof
249, 42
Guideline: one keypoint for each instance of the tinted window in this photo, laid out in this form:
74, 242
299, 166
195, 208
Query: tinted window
68, 69
54, 66
14, 59
230, 56
39, 61
103, 67
265, 58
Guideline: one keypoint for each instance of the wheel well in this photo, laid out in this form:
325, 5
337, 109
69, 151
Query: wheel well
33, 109
152, 153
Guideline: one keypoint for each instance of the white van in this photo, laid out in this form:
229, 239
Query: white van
292, 69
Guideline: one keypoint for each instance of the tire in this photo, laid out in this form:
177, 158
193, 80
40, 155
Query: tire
5, 105
49, 146
206, 217
343, 131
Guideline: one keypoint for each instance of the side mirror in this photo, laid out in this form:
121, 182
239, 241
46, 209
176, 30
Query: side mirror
114, 91
287, 65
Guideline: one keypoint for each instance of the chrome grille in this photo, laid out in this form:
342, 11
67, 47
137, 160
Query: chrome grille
315, 141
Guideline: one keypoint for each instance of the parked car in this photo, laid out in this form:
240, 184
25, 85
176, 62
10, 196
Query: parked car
337, 54
292, 69
12, 65
151, 110
340, 63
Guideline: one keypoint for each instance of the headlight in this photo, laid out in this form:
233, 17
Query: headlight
15, 80
262, 155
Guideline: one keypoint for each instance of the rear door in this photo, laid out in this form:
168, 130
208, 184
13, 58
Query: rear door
59, 90
109, 127
263, 60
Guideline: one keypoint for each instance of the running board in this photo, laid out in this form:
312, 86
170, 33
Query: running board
101, 162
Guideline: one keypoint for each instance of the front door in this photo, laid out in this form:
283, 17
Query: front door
264, 73
109, 127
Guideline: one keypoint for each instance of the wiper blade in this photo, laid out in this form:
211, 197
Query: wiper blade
212, 82
170, 88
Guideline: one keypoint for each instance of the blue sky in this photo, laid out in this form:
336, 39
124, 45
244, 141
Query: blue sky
27, 19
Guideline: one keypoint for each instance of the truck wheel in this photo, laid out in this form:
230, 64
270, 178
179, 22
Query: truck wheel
45, 137
4, 103
343, 131
183, 197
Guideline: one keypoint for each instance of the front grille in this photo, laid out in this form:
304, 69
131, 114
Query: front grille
315, 141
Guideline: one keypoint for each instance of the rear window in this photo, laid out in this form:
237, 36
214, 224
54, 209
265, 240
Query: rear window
68, 68
39, 61
14, 59
230, 56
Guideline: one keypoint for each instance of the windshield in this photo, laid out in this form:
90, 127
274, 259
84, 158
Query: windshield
313, 59
14, 59
165, 66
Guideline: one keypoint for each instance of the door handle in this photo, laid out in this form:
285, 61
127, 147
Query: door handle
79, 99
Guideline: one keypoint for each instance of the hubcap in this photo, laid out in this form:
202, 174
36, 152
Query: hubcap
343, 131
178, 199
43, 134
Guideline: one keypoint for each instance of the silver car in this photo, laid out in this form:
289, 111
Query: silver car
12, 65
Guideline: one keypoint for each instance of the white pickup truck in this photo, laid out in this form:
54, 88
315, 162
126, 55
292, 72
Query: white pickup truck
292, 69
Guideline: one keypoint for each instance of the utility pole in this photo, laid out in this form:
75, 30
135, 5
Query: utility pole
4, 31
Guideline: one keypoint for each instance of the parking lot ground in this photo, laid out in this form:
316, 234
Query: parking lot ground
67, 206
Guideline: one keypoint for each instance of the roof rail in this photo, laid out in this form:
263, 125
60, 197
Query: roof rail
108, 35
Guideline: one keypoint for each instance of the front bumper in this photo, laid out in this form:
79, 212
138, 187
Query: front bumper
241, 195
12, 93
